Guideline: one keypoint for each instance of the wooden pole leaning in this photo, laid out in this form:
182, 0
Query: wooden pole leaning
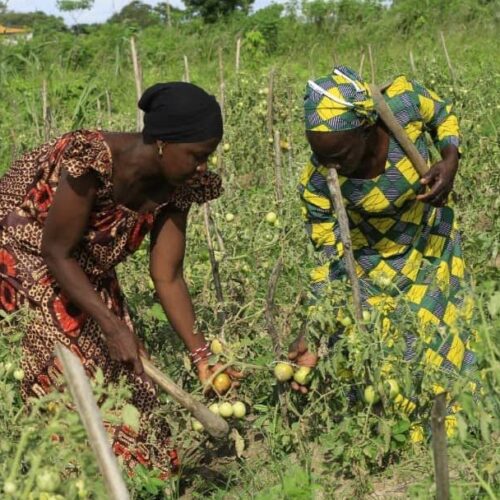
399, 132
216, 426
81, 391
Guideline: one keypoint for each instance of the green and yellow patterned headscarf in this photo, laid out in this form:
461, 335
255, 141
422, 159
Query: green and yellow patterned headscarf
340, 101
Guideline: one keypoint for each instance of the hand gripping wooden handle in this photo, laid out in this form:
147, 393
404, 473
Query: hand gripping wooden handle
399, 132
216, 426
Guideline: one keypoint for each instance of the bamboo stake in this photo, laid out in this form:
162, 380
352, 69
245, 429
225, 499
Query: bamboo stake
270, 98
81, 391
412, 63
448, 60
186, 69
169, 15
277, 170
138, 82
372, 63
345, 235
441, 472
45, 111
213, 424
361, 63
238, 53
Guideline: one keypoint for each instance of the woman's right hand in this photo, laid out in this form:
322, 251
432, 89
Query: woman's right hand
299, 353
123, 344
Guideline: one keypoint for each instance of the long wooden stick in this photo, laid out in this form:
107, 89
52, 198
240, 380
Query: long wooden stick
441, 471
399, 132
81, 391
138, 81
345, 236
270, 101
213, 424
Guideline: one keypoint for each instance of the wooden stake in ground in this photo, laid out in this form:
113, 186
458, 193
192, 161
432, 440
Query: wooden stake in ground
277, 170
372, 63
215, 266
186, 69
440, 452
361, 63
448, 60
138, 82
222, 86
238, 53
45, 111
270, 100
81, 391
412, 64
345, 235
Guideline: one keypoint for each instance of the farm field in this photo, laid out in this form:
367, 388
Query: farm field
288, 446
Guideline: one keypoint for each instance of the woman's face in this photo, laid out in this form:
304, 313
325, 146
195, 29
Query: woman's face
341, 150
181, 162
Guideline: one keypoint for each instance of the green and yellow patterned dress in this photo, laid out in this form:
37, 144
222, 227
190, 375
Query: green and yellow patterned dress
397, 239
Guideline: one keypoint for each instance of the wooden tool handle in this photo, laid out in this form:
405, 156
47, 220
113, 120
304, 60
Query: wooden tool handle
399, 132
216, 426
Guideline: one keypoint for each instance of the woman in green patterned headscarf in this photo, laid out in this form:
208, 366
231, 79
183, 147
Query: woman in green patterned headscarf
405, 240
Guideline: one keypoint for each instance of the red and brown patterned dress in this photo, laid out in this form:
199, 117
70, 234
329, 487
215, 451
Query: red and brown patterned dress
26, 194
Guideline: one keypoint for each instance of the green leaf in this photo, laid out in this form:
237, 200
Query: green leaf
131, 416
156, 310
494, 304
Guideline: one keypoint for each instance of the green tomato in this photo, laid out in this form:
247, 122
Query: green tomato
283, 372
346, 321
366, 316
301, 376
9, 487
19, 374
48, 480
196, 425
393, 387
225, 410
271, 217
239, 409
214, 408
229, 217
370, 395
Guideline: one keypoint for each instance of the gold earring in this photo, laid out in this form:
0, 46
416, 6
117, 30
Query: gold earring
160, 149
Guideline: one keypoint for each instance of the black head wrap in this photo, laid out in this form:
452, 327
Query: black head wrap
180, 112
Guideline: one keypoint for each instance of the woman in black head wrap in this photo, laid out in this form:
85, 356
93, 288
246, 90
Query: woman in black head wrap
88, 199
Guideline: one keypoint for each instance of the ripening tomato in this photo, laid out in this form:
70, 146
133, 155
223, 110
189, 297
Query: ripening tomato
222, 383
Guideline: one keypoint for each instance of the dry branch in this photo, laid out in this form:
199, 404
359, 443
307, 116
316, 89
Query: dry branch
448, 60
270, 309
345, 235
138, 81
270, 99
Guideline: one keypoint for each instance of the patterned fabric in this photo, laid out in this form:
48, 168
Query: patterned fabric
26, 194
396, 239
339, 101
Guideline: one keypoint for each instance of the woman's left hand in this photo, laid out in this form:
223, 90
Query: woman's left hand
205, 372
439, 179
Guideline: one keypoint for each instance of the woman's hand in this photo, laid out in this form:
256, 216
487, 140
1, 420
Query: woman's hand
299, 353
440, 179
205, 372
123, 344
